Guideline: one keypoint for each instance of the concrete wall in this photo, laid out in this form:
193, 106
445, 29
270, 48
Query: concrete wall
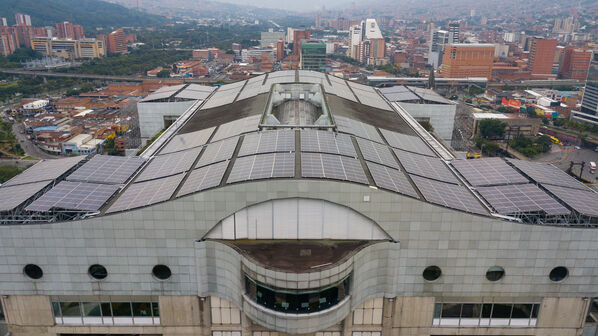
442, 117
151, 115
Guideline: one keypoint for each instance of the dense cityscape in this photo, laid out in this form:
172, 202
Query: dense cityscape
363, 169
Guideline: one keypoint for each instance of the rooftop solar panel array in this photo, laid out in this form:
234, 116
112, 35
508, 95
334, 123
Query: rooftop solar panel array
146, 193
375, 152
398, 93
521, 198
391, 179
357, 128
332, 166
268, 142
546, 173
426, 166
204, 178
448, 195
13, 196
407, 142
169, 164
327, 142
368, 96
188, 140
488, 171
339, 88
253, 88
584, 202
107, 169
78, 196
45, 170
196, 91
226, 94
430, 95
287, 76
237, 127
218, 151
263, 166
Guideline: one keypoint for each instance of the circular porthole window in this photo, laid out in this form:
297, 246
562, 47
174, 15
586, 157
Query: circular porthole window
495, 273
432, 273
97, 272
33, 271
161, 272
558, 274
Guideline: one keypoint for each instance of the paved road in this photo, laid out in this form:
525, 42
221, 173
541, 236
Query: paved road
561, 156
29, 147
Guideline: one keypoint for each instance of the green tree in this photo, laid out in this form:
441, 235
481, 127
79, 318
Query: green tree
492, 128
8, 171
427, 125
163, 73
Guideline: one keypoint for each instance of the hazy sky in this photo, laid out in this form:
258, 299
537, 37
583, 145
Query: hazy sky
295, 5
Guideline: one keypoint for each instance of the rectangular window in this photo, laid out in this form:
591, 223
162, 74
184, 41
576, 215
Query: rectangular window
451, 310
142, 309
486, 314
106, 310
70, 309
91, 309
156, 309
502, 311
56, 309
471, 310
522, 311
121, 309
1, 311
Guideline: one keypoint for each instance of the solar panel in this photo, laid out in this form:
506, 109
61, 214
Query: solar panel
45, 170
584, 202
521, 198
546, 173
146, 193
204, 178
218, 151
169, 164
237, 127
368, 96
398, 93
13, 196
268, 142
357, 128
188, 140
407, 142
332, 166
448, 195
327, 142
225, 95
107, 169
376, 152
426, 166
263, 166
391, 179
488, 171
74, 196
339, 88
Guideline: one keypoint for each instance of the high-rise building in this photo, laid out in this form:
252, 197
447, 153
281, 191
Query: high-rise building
22, 19
453, 32
467, 60
575, 63
327, 211
318, 20
438, 39
541, 56
79, 32
313, 55
298, 36
280, 49
270, 37
589, 101
24, 34
115, 42
7, 44
366, 42
3, 22
65, 30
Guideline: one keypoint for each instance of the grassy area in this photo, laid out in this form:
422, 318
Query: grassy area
9, 171
150, 142
9, 146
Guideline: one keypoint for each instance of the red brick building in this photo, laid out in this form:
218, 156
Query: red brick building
298, 36
575, 64
467, 60
541, 56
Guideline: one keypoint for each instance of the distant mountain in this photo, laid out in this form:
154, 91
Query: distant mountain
88, 13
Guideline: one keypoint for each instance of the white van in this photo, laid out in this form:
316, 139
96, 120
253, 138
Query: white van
592, 167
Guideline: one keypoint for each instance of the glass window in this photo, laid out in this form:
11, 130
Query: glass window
437, 310
432, 273
523, 311
451, 310
98, 272
106, 310
121, 309
56, 309
495, 273
501, 310
558, 274
91, 309
535, 310
70, 309
471, 310
156, 309
1, 311
142, 309
486, 310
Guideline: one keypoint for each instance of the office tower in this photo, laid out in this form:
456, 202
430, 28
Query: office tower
280, 49
438, 39
355, 37
318, 20
467, 60
453, 32
575, 63
22, 19
65, 30
366, 42
298, 36
313, 55
270, 37
589, 101
541, 56
115, 42
296, 203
